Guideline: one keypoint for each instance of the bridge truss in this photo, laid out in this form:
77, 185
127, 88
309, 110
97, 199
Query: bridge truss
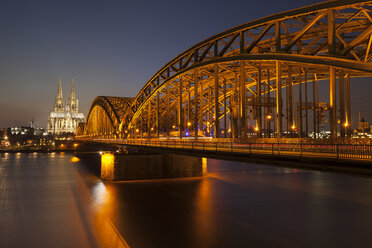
257, 79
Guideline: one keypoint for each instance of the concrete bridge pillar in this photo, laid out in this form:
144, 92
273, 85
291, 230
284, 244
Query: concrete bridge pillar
117, 166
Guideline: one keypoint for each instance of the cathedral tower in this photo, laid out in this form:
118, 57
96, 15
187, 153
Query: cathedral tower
73, 103
59, 104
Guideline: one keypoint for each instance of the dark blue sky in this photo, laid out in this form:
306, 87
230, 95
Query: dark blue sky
109, 47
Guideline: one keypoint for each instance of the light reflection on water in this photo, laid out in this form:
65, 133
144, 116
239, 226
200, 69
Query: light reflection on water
204, 213
100, 194
74, 159
48, 199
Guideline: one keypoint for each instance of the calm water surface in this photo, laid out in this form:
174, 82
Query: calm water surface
51, 200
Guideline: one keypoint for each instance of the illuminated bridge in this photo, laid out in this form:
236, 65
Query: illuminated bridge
256, 83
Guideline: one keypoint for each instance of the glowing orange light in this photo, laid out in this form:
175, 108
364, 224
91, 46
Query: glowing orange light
173, 126
62, 145
152, 129
137, 130
76, 144
293, 126
269, 117
256, 129
188, 123
74, 159
346, 124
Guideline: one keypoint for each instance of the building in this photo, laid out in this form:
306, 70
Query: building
363, 125
65, 118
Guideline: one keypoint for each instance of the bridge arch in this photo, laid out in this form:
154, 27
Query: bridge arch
105, 116
260, 72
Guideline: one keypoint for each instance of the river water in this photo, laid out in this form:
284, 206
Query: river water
52, 200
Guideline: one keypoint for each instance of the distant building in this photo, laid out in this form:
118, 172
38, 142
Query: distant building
65, 119
363, 125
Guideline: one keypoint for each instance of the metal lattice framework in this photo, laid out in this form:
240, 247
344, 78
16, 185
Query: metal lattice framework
264, 72
105, 115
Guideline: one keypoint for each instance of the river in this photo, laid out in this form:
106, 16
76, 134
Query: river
52, 200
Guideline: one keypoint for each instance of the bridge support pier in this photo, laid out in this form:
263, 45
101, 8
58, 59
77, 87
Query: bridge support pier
116, 167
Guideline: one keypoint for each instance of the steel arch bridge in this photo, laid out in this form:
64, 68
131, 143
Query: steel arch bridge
105, 116
258, 79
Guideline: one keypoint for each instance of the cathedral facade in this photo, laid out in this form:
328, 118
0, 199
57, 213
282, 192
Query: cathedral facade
65, 118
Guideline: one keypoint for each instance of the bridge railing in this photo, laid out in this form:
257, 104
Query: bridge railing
335, 151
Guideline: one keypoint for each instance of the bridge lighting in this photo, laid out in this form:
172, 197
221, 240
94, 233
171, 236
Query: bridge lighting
152, 129
126, 131
208, 123
188, 123
137, 130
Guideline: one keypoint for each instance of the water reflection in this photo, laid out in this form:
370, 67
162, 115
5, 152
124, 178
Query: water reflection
203, 214
74, 159
50, 201
100, 194
106, 232
4, 155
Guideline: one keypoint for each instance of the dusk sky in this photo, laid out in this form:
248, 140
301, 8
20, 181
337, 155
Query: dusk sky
109, 47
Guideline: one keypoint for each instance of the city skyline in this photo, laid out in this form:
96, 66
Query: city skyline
109, 48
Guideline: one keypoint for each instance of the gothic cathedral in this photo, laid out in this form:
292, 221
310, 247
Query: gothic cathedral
65, 119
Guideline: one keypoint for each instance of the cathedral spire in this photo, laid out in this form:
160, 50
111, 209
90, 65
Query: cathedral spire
59, 105
72, 95
73, 103
59, 94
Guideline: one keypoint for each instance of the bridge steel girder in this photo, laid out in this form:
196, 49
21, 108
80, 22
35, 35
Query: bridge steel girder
111, 109
306, 24
311, 64
252, 60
